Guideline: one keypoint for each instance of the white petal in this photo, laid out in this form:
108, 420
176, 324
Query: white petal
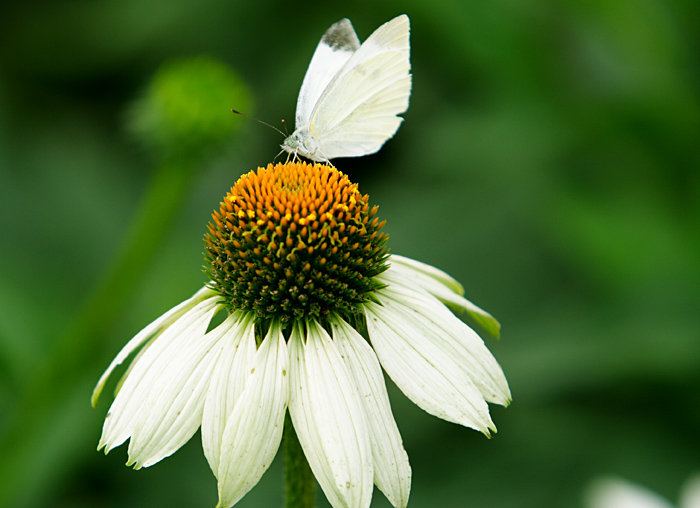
392, 472
414, 357
160, 403
428, 271
119, 422
449, 333
234, 359
329, 419
300, 410
615, 493
156, 326
254, 428
445, 288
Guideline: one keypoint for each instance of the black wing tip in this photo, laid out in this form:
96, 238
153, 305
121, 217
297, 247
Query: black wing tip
341, 36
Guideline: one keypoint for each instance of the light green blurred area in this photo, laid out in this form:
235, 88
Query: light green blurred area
550, 161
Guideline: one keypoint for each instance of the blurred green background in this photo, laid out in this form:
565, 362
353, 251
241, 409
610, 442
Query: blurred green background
550, 160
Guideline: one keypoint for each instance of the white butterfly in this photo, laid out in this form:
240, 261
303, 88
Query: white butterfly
351, 94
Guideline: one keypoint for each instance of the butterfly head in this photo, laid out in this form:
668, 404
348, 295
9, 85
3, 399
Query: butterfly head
301, 142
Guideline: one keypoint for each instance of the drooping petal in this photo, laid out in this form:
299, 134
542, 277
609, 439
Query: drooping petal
235, 354
300, 410
449, 333
392, 472
160, 403
254, 428
156, 327
425, 374
329, 419
428, 271
445, 288
435, 359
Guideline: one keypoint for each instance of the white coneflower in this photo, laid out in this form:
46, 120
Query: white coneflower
315, 306
618, 493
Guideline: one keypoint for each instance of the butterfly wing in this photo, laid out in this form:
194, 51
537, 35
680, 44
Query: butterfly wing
357, 112
335, 48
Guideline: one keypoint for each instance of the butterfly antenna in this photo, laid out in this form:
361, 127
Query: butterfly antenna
260, 121
285, 127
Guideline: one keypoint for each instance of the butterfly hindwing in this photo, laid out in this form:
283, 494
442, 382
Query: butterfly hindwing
357, 111
366, 127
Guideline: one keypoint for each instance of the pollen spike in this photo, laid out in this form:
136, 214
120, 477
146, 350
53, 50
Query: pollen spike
282, 219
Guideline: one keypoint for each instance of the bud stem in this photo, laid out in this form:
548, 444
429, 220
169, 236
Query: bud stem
300, 484
54, 381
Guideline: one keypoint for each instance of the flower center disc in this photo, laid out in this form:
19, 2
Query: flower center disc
295, 240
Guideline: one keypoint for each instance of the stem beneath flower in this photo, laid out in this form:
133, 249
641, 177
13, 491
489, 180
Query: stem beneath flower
300, 483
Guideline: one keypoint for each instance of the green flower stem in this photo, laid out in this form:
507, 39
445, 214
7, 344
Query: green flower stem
73, 356
300, 483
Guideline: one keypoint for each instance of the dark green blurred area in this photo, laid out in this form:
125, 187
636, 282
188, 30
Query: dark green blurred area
550, 160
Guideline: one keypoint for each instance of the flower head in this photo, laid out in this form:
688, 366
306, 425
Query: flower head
296, 241
314, 308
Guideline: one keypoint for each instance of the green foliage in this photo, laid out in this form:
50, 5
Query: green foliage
548, 161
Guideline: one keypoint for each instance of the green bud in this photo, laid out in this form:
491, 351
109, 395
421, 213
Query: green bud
186, 108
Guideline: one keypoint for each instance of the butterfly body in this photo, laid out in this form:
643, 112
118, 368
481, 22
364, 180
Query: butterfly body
302, 142
352, 93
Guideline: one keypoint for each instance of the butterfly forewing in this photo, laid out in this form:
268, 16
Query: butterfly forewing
336, 47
